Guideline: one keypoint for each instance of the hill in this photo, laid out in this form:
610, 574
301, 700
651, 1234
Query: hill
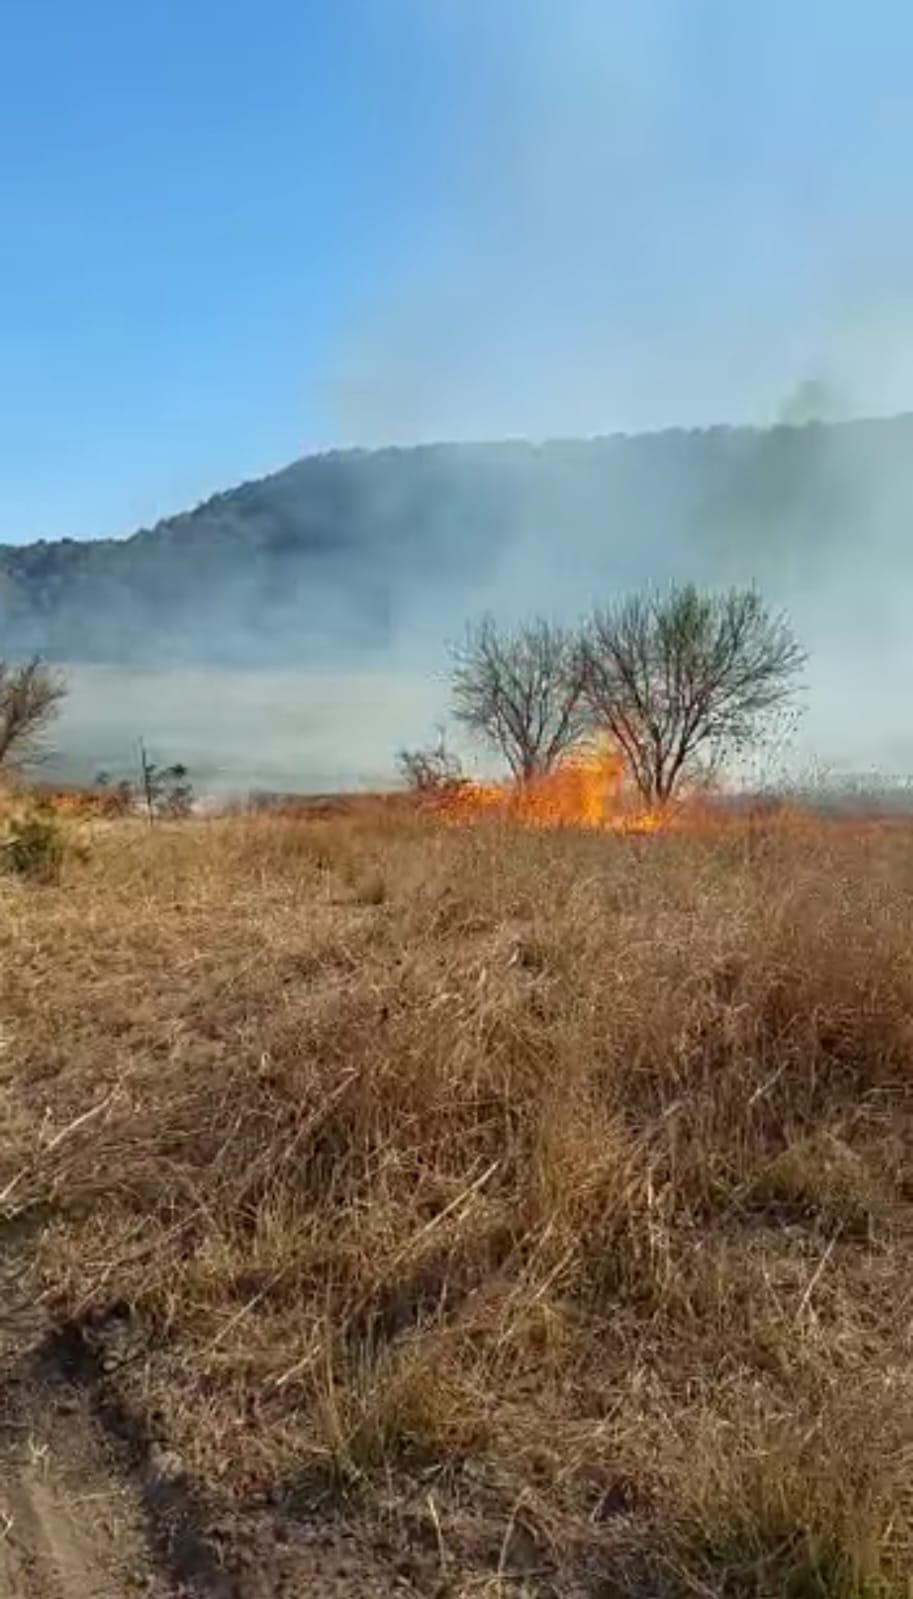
342, 554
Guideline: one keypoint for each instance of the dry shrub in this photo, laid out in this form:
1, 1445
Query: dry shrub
576, 1167
35, 843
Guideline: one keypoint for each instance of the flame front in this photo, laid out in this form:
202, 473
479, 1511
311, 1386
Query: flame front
585, 789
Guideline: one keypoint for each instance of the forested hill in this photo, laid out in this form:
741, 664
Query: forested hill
341, 555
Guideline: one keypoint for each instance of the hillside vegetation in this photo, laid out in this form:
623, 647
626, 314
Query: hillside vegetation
534, 1206
338, 553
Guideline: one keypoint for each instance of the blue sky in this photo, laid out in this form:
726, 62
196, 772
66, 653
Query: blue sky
234, 232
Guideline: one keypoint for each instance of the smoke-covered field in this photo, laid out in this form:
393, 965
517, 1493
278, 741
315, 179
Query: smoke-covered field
240, 730
294, 632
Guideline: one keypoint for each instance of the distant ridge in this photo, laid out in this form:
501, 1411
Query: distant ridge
333, 556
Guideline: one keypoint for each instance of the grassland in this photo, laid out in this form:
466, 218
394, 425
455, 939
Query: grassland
538, 1203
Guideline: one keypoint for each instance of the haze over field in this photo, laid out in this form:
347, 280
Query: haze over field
239, 730
293, 632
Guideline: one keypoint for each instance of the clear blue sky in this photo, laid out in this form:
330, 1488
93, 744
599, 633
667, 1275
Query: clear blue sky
232, 232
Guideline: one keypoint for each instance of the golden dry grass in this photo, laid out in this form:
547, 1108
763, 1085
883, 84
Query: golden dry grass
553, 1187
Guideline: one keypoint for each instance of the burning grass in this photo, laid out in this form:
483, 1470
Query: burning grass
549, 1190
586, 789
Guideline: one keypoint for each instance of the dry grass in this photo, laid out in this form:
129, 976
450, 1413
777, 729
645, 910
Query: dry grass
553, 1188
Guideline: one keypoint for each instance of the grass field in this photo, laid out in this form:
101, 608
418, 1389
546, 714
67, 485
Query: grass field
548, 1194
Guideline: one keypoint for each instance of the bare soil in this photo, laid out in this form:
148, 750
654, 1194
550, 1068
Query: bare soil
90, 1510
92, 1506
69, 1525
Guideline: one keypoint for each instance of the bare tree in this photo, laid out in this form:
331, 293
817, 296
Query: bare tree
521, 691
683, 679
30, 698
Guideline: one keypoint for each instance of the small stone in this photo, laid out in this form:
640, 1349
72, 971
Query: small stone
165, 1463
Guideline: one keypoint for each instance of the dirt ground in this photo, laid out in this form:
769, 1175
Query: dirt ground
70, 1525
75, 1524
89, 1509
69, 1528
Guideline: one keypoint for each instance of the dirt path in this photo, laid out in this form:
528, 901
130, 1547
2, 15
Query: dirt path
70, 1525
67, 1529
70, 1528
85, 1515
75, 1525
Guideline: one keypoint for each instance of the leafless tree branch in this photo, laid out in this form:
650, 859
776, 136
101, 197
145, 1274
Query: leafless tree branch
521, 691
30, 698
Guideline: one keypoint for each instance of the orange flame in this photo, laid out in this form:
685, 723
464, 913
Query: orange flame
586, 789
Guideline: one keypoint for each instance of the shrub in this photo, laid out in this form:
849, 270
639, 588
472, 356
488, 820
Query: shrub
432, 771
34, 846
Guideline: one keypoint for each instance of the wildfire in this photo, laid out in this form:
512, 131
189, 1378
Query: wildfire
586, 789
